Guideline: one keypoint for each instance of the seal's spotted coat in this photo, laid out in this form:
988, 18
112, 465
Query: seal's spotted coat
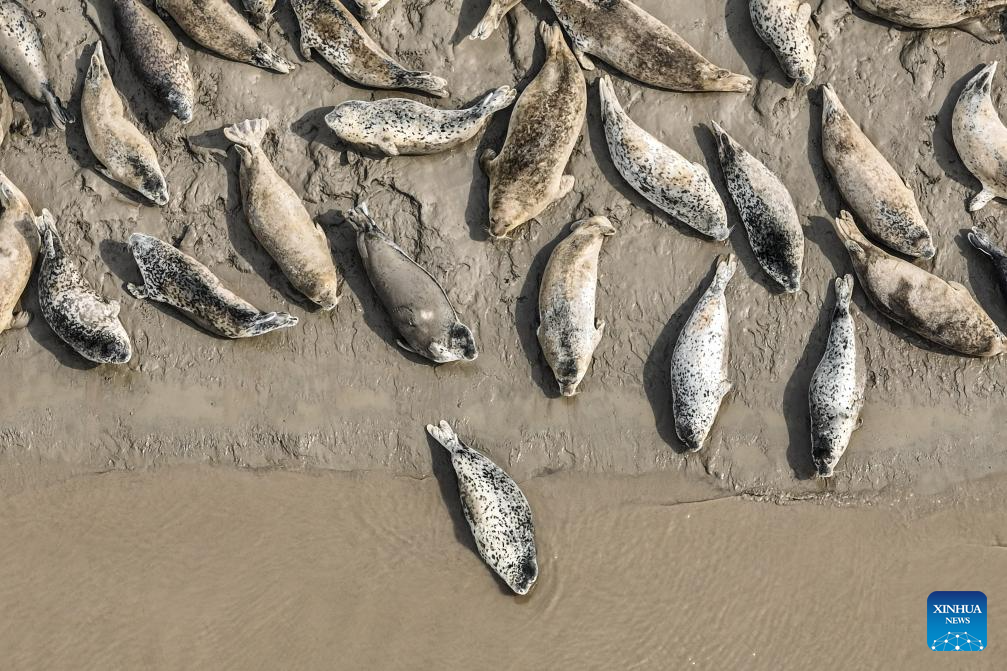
783, 25
23, 57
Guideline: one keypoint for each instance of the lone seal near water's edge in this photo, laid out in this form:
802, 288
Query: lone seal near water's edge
981, 138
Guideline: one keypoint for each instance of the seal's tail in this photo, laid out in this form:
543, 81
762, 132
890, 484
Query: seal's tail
981, 240
727, 265
50, 237
61, 116
446, 436
360, 219
489, 22
248, 133
271, 321
497, 100
610, 105
844, 291
424, 81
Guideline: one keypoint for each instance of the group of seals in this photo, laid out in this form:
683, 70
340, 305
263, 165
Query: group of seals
23, 58
977, 17
19, 246
981, 138
783, 25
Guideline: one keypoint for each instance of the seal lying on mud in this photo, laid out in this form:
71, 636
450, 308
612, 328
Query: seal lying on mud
767, 211
527, 176
976, 17
399, 126
326, 25
77, 314
660, 174
885, 205
783, 25
981, 240
416, 302
980, 137
23, 57
942, 312
699, 363
219, 27
568, 332
370, 8
156, 56
496, 510
260, 10
279, 220
837, 387
175, 278
19, 245
127, 156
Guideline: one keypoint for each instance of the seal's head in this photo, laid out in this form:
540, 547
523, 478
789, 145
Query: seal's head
521, 575
346, 121
824, 467
460, 346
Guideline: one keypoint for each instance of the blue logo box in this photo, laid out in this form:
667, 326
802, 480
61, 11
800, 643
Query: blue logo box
956, 621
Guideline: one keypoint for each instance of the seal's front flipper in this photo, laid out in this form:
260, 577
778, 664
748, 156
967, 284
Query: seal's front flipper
403, 345
21, 320
981, 199
581, 54
565, 186
486, 160
137, 290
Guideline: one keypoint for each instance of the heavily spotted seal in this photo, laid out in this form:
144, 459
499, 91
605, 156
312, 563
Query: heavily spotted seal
870, 184
19, 245
527, 176
77, 314
399, 126
260, 10
981, 138
981, 240
700, 359
156, 56
497, 512
219, 27
279, 220
634, 42
175, 278
416, 302
23, 57
568, 332
783, 25
127, 156
326, 25
767, 211
837, 387
491, 19
370, 8
977, 17
660, 174
942, 312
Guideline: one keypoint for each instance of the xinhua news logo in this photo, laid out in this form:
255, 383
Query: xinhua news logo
956, 621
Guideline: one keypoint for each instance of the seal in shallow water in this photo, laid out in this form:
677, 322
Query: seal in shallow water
19, 245
175, 278
568, 332
940, 311
399, 126
976, 17
23, 57
783, 25
980, 137
77, 314
497, 512
127, 156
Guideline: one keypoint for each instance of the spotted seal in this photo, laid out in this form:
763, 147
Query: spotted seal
568, 332
527, 176
783, 25
417, 304
836, 395
77, 314
942, 312
127, 156
261, 11
326, 25
157, 57
981, 138
767, 211
496, 510
881, 199
19, 245
699, 362
219, 27
399, 126
979, 18
23, 57
175, 278
659, 173
280, 221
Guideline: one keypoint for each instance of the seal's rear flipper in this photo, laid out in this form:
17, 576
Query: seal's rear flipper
270, 322
248, 133
57, 110
989, 29
981, 241
445, 435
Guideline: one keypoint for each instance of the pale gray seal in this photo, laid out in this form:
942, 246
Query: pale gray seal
279, 220
399, 126
783, 25
496, 10
23, 57
326, 25
940, 311
77, 314
881, 199
19, 245
173, 277
260, 10
568, 332
660, 174
417, 304
527, 176
837, 387
980, 137
370, 8
156, 56
767, 211
219, 27
497, 512
699, 363
127, 156
976, 17
981, 240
